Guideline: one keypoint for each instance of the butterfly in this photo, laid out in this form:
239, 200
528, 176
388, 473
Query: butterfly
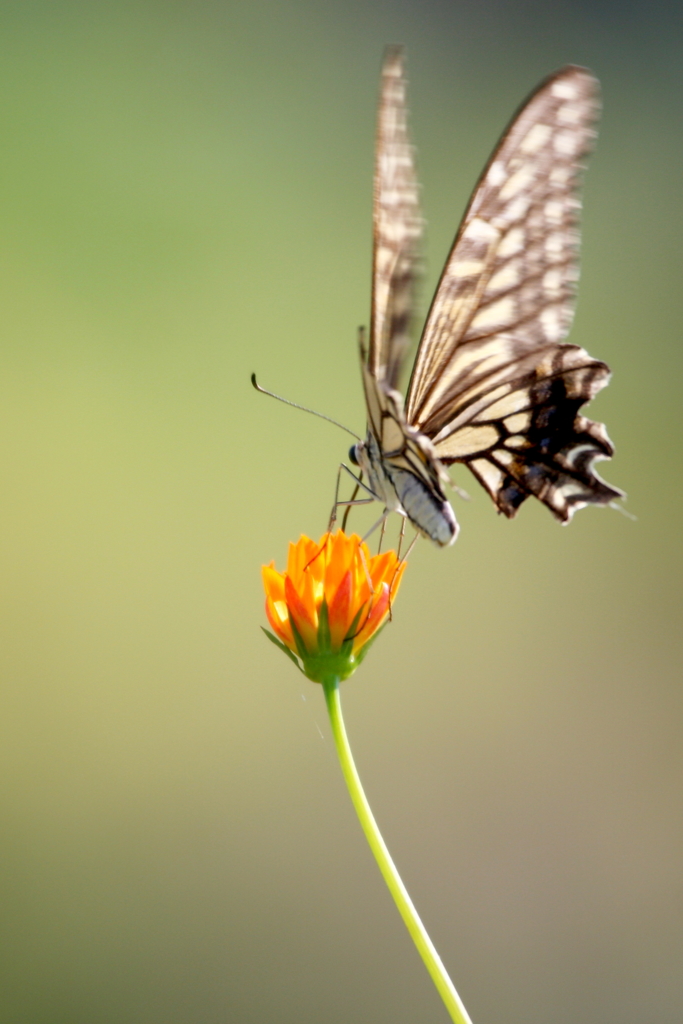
493, 385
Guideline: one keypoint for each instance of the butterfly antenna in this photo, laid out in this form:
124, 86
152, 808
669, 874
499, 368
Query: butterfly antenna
304, 408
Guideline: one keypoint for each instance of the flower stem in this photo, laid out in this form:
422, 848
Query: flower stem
425, 947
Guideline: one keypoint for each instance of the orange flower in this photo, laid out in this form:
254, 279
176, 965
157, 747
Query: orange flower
330, 602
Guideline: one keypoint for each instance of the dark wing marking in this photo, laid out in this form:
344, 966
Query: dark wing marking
492, 345
528, 437
397, 227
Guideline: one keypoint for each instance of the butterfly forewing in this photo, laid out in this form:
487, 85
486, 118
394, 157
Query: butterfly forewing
397, 227
493, 386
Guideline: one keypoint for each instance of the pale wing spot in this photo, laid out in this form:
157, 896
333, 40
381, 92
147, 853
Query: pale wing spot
563, 90
488, 360
570, 489
451, 311
496, 174
394, 233
554, 244
512, 243
491, 475
552, 323
520, 422
569, 113
552, 282
518, 182
393, 437
474, 411
545, 367
505, 457
537, 137
516, 441
500, 312
509, 405
479, 230
465, 442
554, 211
578, 449
560, 175
566, 143
500, 351
392, 197
517, 209
467, 268
508, 277
385, 259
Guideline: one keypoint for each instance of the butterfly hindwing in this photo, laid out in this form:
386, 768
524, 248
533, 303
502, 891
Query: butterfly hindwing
528, 438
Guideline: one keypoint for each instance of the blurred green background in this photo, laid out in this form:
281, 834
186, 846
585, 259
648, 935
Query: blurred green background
185, 197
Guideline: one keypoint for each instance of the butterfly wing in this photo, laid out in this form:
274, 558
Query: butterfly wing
493, 386
397, 227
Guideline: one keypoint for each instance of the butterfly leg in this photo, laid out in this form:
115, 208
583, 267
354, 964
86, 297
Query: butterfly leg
353, 497
398, 555
382, 519
401, 560
411, 546
348, 507
353, 501
400, 538
381, 536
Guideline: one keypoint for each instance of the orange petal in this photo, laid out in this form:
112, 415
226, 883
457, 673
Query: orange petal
273, 582
381, 566
298, 557
337, 565
316, 559
310, 589
378, 613
361, 569
395, 581
338, 612
282, 629
302, 616
292, 559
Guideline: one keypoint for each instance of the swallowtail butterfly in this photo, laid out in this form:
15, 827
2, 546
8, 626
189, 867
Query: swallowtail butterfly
493, 385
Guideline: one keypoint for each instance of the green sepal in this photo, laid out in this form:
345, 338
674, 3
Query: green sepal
283, 647
347, 644
298, 640
324, 638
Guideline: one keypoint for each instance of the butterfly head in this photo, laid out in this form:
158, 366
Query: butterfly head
353, 455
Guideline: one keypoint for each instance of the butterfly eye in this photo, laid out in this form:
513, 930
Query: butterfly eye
352, 455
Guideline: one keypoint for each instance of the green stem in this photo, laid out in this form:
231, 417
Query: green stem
425, 947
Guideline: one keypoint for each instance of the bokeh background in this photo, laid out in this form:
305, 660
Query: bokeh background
185, 197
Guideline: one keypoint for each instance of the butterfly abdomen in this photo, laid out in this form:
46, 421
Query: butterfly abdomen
408, 482
425, 506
